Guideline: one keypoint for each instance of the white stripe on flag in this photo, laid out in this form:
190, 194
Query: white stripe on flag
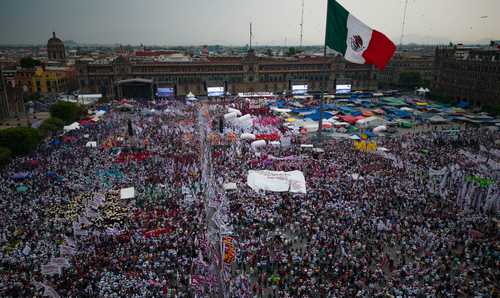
355, 28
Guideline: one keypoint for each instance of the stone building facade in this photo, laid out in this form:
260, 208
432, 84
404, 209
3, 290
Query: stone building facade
468, 73
407, 63
250, 73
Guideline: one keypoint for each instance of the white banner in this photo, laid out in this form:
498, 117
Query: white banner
293, 181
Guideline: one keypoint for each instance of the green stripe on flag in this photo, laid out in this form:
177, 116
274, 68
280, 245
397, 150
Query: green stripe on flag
336, 27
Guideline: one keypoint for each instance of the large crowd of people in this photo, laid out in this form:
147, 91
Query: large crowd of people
396, 222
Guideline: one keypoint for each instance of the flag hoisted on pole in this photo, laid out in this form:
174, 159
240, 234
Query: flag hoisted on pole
357, 42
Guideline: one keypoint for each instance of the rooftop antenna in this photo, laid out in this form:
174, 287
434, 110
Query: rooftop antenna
302, 25
404, 23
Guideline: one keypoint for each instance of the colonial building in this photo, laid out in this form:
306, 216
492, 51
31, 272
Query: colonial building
49, 80
237, 74
407, 63
468, 73
55, 49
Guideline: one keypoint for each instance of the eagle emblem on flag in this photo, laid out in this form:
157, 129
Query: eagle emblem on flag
356, 43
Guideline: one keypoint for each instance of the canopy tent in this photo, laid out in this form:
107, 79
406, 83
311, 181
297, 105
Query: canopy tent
230, 186
231, 110
91, 145
316, 116
379, 129
230, 116
277, 181
437, 119
190, 97
370, 122
127, 193
258, 144
21, 176
349, 119
71, 127
247, 136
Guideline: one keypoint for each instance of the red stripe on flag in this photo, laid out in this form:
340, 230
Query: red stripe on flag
380, 50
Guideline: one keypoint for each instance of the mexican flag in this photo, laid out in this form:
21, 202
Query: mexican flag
353, 39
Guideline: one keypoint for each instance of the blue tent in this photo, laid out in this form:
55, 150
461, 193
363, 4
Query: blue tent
369, 133
464, 104
330, 106
21, 176
316, 116
55, 142
346, 110
303, 110
281, 103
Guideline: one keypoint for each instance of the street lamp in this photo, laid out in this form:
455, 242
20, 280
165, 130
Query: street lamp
25, 90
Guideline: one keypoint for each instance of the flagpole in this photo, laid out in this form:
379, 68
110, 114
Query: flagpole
322, 95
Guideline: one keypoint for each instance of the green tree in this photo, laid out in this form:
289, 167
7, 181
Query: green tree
50, 126
68, 112
409, 79
5, 156
292, 51
28, 62
20, 140
269, 52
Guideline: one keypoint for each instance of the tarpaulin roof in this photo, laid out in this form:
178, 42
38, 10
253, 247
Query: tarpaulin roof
349, 119
317, 115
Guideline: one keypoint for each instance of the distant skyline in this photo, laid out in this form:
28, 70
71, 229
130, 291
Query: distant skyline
226, 22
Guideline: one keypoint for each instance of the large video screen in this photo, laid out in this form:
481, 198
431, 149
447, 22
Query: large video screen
343, 89
215, 91
165, 92
299, 89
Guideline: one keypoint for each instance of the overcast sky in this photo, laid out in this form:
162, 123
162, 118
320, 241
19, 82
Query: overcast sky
196, 22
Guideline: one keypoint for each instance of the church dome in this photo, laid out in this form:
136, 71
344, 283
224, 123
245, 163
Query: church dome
54, 40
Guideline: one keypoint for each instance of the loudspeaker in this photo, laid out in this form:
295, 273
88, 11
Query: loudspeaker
175, 90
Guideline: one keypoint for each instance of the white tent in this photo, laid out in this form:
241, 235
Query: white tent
437, 119
71, 127
243, 121
231, 110
279, 110
230, 186
191, 97
355, 137
275, 143
248, 136
258, 144
230, 116
370, 122
379, 129
127, 193
91, 145
357, 177
100, 113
